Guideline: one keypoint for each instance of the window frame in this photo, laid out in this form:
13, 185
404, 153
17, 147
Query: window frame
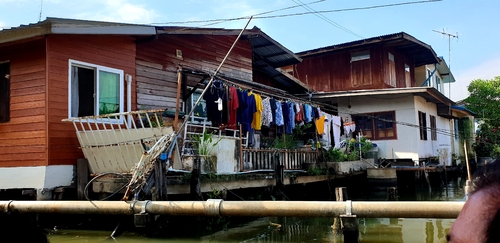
374, 122
97, 69
189, 102
5, 94
432, 120
407, 75
392, 69
422, 122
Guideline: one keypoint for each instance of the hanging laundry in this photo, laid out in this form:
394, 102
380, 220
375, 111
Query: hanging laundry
272, 102
298, 113
233, 105
291, 115
320, 125
325, 137
257, 115
336, 125
307, 112
267, 115
213, 94
279, 114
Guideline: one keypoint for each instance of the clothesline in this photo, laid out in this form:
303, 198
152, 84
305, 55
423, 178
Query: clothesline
266, 94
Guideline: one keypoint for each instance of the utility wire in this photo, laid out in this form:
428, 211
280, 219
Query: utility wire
232, 19
321, 16
302, 13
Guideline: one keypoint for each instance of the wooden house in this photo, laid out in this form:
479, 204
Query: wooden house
376, 83
64, 68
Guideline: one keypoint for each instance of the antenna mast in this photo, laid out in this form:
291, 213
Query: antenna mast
41, 7
449, 54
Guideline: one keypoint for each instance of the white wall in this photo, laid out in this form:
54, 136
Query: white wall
38, 177
406, 146
443, 144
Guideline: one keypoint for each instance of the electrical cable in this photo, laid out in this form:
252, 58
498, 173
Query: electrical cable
302, 13
331, 22
85, 190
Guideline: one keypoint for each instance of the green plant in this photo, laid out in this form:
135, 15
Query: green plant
300, 132
285, 142
205, 143
333, 155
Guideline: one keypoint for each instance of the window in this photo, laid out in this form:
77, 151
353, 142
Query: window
433, 127
422, 122
407, 76
4, 91
392, 71
438, 84
376, 126
360, 68
94, 90
200, 111
429, 78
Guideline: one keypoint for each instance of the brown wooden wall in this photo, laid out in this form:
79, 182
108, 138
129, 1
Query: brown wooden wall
110, 51
332, 71
22, 139
157, 64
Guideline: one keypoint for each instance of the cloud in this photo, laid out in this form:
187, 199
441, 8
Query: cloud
122, 11
486, 70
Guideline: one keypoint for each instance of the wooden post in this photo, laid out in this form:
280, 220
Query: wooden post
241, 150
195, 185
82, 177
340, 195
177, 103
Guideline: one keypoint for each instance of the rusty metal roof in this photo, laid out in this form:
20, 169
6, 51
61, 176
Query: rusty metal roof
421, 52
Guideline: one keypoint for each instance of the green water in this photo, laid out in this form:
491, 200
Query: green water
292, 229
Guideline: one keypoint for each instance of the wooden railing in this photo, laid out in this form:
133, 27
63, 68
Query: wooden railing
267, 159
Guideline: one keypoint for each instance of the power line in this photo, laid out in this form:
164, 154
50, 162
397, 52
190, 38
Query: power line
232, 19
331, 22
298, 14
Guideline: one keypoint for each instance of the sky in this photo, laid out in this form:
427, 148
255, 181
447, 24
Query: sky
475, 54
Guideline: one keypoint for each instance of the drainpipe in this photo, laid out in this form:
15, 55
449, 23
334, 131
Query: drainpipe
429, 78
128, 78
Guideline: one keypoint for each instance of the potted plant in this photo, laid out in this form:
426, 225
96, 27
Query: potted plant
204, 145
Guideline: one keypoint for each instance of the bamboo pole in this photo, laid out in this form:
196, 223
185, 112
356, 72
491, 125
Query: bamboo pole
220, 208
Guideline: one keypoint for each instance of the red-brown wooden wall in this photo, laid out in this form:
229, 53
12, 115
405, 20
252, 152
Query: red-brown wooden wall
35, 135
332, 71
110, 51
23, 138
157, 64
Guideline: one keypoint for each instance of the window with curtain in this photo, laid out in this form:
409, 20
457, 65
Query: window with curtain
377, 126
94, 90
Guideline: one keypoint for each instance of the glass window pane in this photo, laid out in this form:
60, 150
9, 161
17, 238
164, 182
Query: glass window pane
109, 92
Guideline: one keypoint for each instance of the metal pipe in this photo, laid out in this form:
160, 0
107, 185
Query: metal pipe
220, 208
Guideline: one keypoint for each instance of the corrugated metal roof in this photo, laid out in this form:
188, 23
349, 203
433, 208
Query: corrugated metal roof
420, 52
268, 53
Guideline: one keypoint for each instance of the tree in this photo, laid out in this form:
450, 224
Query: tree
484, 100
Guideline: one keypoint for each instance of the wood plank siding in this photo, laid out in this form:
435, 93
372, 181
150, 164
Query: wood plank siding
22, 138
110, 51
35, 135
351, 70
157, 64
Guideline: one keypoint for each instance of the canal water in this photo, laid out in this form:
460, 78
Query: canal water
274, 229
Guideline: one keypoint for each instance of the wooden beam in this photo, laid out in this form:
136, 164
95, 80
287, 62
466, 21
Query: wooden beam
178, 101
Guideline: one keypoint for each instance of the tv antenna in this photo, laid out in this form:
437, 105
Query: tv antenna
449, 53
41, 6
